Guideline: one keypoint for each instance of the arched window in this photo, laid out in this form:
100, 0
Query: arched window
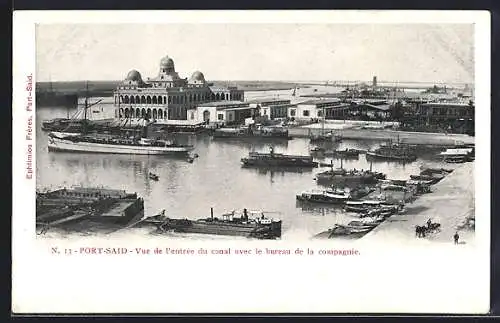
137, 113
143, 99
132, 99
155, 100
217, 97
155, 114
137, 99
143, 113
164, 100
213, 97
121, 112
148, 100
121, 99
160, 114
125, 99
126, 113
227, 96
160, 101
148, 114
169, 99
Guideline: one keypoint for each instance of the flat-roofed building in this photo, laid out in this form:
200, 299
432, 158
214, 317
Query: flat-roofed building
272, 108
316, 109
222, 112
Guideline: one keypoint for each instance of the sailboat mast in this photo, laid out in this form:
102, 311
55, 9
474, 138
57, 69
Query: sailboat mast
86, 100
323, 122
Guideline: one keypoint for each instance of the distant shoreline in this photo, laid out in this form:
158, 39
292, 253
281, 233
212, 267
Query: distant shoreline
107, 87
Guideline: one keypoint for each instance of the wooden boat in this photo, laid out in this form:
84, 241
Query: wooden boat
343, 231
154, 177
326, 196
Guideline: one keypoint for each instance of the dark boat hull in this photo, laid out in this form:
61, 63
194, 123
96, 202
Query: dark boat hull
277, 163
321, 199
374, 155
249, 230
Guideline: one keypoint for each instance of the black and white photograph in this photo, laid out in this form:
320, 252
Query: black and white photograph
329, 133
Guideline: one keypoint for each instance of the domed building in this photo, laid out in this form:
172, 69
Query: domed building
167, 96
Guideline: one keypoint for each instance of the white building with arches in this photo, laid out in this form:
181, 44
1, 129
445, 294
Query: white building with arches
167, 96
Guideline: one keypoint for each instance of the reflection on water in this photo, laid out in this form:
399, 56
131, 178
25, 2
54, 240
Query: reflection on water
215, 179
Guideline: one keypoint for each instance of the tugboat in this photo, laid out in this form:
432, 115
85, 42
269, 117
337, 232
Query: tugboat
351, 177
273, 159
250, 224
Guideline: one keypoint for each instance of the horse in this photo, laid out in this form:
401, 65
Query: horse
434, 227
420, 231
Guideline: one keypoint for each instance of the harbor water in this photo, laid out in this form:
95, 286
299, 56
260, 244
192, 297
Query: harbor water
215, 179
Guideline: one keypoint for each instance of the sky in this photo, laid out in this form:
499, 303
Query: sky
440, 53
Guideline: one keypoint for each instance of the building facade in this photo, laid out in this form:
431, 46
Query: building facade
222, 113
167, 96
272, 109
317, 109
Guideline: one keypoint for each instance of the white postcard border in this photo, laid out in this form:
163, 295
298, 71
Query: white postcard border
384, 279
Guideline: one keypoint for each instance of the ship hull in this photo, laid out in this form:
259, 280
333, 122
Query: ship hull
262, 163
387, 157
58, 144
322, 199
259, 231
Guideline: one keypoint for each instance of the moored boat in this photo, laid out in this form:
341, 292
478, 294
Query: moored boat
347, 153
393, 152
324, 196
251, 224
250, 132
114, 145
154, 177
273, 159
70, 207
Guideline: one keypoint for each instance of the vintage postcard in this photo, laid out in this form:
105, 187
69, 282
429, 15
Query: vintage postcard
251, 162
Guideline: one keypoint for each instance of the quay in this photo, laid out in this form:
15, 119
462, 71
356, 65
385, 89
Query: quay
450, 203
355, 131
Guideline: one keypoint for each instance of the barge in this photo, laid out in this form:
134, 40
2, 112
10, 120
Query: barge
67, 206
273, 159
250, 224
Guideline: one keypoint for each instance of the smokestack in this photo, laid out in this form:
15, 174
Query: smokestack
374, 81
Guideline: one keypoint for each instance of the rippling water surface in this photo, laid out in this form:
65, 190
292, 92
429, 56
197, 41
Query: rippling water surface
215, 179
